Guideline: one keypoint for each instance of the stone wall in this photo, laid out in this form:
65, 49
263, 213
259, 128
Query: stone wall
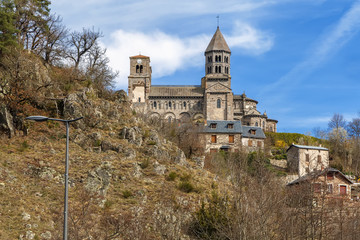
222, 139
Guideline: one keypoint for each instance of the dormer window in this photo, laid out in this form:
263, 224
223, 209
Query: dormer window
252, 132
230, 125
213, 125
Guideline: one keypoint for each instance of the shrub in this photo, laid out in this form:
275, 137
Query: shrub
186, 186
172, 176
127, 194
151, 142
145, 163
23, 146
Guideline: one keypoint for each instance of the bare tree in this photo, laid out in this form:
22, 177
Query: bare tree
337, 121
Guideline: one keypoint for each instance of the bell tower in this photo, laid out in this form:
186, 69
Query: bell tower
217, 80
139, 80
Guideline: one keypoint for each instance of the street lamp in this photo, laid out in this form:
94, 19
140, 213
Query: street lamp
43, 119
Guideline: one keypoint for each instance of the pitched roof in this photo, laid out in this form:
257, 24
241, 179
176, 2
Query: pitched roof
218, 43
307, 147
139, 56
222, 126
259, 133
176, 91
315, 174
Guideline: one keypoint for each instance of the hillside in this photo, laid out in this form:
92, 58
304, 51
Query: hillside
122, 175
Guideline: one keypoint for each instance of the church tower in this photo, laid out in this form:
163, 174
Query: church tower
139, 80
217, 80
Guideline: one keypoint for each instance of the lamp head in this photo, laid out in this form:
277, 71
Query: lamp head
37, 118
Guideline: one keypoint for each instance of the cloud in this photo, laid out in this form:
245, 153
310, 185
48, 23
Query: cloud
326, 47
169, 53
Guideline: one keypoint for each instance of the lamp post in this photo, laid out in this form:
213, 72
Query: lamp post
67, 122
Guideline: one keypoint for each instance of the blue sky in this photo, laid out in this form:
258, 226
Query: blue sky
299, 58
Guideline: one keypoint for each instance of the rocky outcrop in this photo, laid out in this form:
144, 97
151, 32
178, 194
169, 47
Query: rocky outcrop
98, 180
6, 122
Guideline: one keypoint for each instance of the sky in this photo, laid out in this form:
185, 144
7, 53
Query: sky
299, 58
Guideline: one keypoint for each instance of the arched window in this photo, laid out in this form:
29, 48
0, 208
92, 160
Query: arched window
169, 119
226, 59
216, 58
169, 104
155, 105
141, 68
219, 58
199, 105
184, 105
216, 69
137, 68
218, 103
256, 124
219, 69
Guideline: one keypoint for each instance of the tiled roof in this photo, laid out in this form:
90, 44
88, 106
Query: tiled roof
308, 147
218, 43
176, 91
315, 174
259, 133
139, 56
222, 127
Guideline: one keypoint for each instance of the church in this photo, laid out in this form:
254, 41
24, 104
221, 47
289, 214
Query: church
212, 100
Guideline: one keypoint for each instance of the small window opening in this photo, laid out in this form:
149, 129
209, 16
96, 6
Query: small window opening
213, 138
231, 125
137, 68
139, 99
213, 125
141, 68
218, 104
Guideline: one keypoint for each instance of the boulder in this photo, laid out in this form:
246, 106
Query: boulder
6, 122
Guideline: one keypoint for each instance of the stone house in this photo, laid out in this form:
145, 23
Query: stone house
213, 99
231, 136
329, 181
303, 160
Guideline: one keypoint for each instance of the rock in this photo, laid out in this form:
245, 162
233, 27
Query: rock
180, 158
6, 122
136, 170
26, 216
98, 180
159, 169
199, 161
30, 235
46, 235
133, 135
47, 173
106, 146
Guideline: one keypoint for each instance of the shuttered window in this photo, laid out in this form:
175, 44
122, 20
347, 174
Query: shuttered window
231, 138
213, 138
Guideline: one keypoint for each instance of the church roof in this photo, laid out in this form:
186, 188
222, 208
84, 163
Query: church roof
218, 43
139, 56
176, 91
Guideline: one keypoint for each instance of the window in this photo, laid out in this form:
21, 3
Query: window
169, 104
259, 144
155, 105
174, 105
329, 188
250, 143
213, 138
141, 68
216, 69
213, 125
218, 103
317, 187
307, 157
256, 124
319, 159
252, 132
219, 58
219, 69
137, 68
330, 176
199, 105
139, 99
169, 119
342, 190
231, 138
184, 104
230, 125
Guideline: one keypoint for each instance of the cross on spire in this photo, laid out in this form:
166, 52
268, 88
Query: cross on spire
218, 20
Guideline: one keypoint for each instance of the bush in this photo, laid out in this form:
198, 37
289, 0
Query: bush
186, 186
23, 146
127, 194
172, 176
145, 163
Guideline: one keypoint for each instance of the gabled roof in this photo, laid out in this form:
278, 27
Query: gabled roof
218, 43
259, 133
176, 91
307, 147
222, 126
139, 56
316, 174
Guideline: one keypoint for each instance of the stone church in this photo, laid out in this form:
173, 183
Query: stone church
212, 100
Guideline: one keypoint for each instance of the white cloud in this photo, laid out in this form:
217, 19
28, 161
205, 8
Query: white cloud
169, 53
